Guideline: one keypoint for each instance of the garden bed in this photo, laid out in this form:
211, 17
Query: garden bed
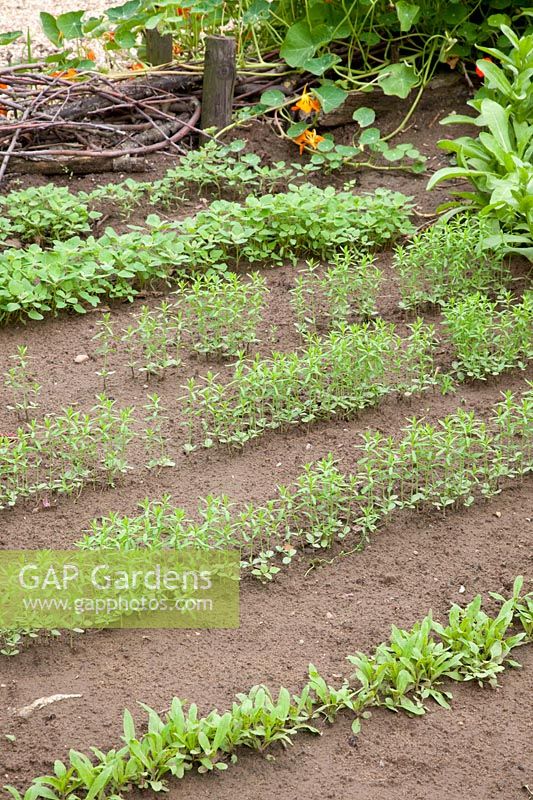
321, 608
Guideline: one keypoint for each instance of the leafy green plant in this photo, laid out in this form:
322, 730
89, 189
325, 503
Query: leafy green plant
449, 259
106, 346
153, 344
480, 641
61, 454
350, 369
221, 169
221, 314
24, 388
489, 336
429, 466
155, 442
348, 288
522, 606
401, 675
44, 214
303, 221
498, 162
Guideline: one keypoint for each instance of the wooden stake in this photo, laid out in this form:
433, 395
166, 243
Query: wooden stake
158, 47
219, 81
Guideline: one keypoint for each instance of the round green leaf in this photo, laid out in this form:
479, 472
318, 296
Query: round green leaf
272, 98
296, 129
70, 24
330, 96
302, 43
407, 14
397, 79
364, 116
50, 29
370, 136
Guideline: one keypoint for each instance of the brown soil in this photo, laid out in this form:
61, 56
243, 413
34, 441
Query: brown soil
480, 749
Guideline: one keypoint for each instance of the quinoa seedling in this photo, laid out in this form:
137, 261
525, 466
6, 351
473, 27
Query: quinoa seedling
106, 347
155, 442
24, 388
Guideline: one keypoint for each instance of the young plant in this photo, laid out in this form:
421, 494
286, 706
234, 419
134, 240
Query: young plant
47, 213
221, 314
448, 259
347, 289
155, 442
24, 388
489, 336
107, 345
480, 642
153, 344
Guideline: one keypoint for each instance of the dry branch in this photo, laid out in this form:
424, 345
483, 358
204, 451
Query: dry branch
93, 120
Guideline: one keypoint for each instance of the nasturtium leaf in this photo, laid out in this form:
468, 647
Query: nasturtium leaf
92, 24
454, 13
272, 98
258, 10
85, 64
495, 20
50, 29
356, 726
125, 11
407, 14
393, 154
70, 24
302, 42
9, 37
346, 151
369, 136
153, 21
296, 129
370, 38
364, 116
397, 79
125, 38
330, 96
326, 13
321, 64
326, 145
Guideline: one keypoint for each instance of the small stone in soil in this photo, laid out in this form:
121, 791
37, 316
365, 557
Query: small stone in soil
81, 358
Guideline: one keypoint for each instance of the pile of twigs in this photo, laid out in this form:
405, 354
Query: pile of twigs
91, 121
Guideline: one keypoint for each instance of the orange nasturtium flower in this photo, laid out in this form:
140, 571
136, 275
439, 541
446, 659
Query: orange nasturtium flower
183, 12
3, 111
69, 74
479, 72
307, 103
135, 67
308, 139
90, 54
176, 50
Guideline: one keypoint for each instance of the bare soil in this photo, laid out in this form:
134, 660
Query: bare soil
481, 749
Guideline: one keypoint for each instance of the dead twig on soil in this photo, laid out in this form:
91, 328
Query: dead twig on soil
92, 116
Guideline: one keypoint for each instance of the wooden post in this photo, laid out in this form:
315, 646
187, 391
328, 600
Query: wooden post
158, 47
219, 81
